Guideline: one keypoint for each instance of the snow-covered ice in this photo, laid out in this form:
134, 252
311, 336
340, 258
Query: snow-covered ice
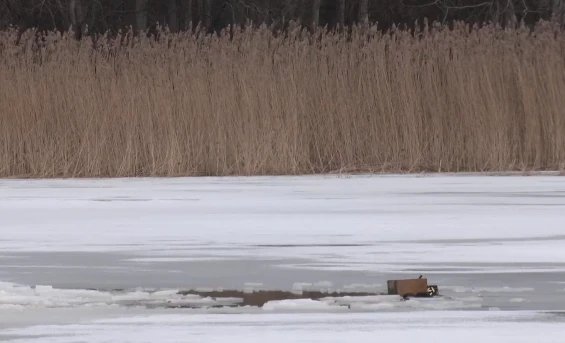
385, 224
390, 219
490, 242
15, 297
448, 327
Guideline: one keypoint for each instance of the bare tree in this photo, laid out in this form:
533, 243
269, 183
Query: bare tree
72, 13
266, 10
543, 7
90, 16
76, 17
187, 9
363, 12
172, 19
141, 15
205, 10
103, 15
558, 11
315, 14
81, 17
341, 14
505, 13
510, 13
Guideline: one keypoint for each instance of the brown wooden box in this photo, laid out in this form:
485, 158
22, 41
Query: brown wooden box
408, 287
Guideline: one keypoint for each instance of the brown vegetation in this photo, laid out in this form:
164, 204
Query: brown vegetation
257, 103
261, 297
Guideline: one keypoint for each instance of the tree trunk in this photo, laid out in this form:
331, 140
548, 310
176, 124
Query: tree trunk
315, 15
187, 8
76, 17
80, 17
91, 16
341, 14
543, 7
558, 11
72, 14
506, 14
510, 14
363, 12
172, 16
206, 11
266, 11
141, 15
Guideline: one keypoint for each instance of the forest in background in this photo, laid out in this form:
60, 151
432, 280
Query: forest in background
103, 16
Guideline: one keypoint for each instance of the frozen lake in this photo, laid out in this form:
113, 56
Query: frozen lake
442, 327
102, 248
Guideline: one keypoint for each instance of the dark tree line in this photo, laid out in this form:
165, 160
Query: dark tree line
96, 16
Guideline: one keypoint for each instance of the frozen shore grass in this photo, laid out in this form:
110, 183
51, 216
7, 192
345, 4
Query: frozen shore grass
443, 100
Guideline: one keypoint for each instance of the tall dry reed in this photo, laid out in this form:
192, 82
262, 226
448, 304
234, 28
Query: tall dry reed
449, 100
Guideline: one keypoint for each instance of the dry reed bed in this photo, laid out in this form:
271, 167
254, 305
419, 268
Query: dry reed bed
450, 100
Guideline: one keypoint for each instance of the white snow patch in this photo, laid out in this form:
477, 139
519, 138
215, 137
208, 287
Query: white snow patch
517, 300
298, 288
297, 305
254, 284
442, 326
505, 289
323, 284
44, 296
197, 301
373, 299
180, 259
362, 287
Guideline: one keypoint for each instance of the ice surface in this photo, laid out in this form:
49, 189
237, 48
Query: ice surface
13, 296
362, 222
506, 289
19, 297
501, 225
448, 327
394, 224
298, 305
